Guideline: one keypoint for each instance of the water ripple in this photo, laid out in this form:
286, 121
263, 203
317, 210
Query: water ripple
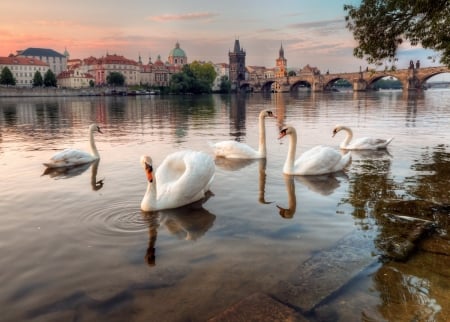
118, 219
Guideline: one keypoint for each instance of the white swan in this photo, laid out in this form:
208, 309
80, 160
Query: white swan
74, 157
318, 160
365, 143
237, 150
182, 178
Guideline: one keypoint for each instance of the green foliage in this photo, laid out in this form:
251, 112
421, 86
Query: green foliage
49, 79
292, 73
91, 83
38, 81
7, 77
225, 85
195, 78
204, 72
115, 79
380, 26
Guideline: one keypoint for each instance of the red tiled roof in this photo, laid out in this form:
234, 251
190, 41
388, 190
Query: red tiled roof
116, 59
21, 61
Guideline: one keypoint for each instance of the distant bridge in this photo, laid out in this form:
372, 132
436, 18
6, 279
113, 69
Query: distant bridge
413, 78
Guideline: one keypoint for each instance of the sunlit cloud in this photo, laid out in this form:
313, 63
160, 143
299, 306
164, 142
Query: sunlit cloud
327, 24
185, 16
294, 14
54, 23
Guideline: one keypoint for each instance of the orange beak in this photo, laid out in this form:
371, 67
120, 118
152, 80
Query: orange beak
149, 172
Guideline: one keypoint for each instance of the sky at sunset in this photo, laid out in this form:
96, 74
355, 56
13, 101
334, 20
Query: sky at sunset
312, 32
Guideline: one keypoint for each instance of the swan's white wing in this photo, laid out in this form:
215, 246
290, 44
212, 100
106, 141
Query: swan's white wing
69, 157
368, 143
234, 150
318, 160
184, 177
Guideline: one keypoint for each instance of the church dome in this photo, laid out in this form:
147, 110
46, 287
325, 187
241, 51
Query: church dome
177, 56
177, 51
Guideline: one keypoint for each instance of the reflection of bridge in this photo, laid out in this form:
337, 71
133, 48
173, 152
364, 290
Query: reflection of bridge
411, 79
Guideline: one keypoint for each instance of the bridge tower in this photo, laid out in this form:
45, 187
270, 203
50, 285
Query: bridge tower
237, 65
281, 63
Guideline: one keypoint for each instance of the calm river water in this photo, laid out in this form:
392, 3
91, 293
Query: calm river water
75, 245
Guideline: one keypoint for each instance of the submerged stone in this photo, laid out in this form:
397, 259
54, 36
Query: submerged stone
259, 307
399, 235
323, 274
404, 224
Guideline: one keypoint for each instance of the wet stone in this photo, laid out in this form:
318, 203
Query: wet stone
323, 274
439, 214
436, 245
399, 235
259, 307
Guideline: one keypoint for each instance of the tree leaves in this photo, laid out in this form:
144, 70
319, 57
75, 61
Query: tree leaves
380, 26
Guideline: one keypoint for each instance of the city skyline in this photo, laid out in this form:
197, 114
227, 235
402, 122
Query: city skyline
311, 33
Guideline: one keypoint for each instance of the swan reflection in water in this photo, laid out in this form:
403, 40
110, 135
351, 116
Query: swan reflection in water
73, 171
371, 154
189, 222
289, 212
238, 164
234, 164
323, 184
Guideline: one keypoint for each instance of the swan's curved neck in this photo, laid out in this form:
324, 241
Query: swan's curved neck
348, 137
94, 150
262, 136
289, 164
149, 202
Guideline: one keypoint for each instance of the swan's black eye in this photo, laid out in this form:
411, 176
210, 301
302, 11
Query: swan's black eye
149, 167
283, 131
270, 113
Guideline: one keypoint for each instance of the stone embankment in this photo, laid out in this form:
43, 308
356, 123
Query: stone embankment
54, 92
405, 228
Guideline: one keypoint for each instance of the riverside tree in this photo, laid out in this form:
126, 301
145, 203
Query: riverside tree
49, 79
380, 26
225, 85
195, 78
7, 77
115, 79
38, 81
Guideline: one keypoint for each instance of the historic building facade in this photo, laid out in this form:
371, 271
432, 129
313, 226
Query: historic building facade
158, 73
177, 56
57, 62
222, 70
236, 64
281, 63
100, 68
24, 68
74, 78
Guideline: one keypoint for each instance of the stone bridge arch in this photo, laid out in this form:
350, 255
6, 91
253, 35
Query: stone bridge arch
330, 82
371, 81
245, 87
300, 83
266, 87
412, 78
423, 77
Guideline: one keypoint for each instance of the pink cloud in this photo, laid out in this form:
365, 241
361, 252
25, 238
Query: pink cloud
186, 16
